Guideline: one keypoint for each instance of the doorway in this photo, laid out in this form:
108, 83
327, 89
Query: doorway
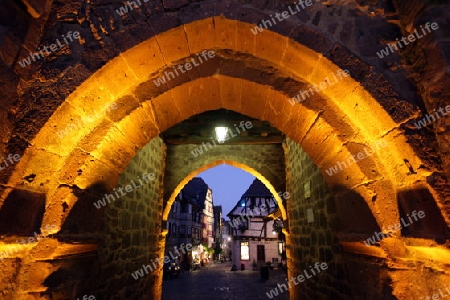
260, 253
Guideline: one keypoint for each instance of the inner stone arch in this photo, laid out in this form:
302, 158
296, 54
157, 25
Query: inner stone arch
256, 171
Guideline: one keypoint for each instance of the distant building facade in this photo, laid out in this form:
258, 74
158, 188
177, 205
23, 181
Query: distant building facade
227, 239
217, 232
253, 238
208, 220
187, 221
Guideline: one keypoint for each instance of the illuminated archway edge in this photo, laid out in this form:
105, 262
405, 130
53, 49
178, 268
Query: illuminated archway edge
50, 156
212, 165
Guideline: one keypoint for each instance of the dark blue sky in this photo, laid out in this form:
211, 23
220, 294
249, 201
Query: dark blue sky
228, 184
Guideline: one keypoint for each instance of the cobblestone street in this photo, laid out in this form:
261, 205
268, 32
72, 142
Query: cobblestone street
217, 282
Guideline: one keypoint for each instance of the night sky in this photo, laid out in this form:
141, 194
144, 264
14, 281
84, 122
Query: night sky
228, 184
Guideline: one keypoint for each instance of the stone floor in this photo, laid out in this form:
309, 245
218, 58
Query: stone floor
217, 282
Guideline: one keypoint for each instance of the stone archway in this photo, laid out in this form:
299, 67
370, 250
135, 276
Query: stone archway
343, 119
128, 80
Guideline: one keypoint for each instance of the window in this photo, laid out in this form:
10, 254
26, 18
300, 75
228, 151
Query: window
197, 233
272, 203
280, 248
175, 206
252, 203
189, 231
184, 207
174, 230
243, 224
182, 230
245, 251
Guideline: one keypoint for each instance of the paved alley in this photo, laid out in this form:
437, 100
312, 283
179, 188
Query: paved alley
217, 282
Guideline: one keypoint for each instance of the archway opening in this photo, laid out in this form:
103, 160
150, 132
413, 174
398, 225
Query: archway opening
218, 214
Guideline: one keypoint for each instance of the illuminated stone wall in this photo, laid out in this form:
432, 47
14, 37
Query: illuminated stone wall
132, 229
317, 241
342, 223
265, 159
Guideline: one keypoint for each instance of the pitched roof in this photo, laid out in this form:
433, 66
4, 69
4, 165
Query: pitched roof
257, 189
195, 191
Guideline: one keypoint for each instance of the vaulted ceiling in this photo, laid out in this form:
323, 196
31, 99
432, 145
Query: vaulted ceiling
200, 128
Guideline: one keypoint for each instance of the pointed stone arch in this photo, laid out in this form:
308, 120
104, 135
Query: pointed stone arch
236, 164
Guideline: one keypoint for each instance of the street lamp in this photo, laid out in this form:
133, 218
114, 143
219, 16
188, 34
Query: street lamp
221, 133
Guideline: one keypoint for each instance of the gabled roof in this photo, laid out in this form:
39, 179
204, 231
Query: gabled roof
195, 191
256, 190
